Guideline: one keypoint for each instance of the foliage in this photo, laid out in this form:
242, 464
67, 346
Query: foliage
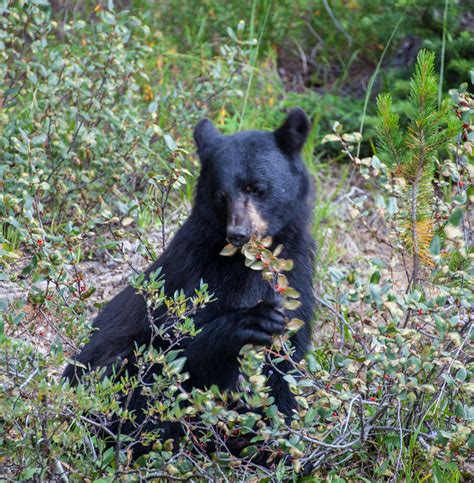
97, 110
88, 147
424, 327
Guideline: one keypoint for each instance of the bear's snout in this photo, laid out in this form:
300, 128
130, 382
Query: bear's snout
243, 221
237, 235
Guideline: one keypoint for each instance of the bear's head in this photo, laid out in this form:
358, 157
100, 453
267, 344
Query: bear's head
252, 182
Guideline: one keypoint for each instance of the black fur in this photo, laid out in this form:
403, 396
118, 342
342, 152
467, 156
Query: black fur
245, 310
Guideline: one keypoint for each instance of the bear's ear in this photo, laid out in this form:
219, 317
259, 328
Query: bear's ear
292, 134
204, 133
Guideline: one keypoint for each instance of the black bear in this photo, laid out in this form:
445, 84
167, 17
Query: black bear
251, 183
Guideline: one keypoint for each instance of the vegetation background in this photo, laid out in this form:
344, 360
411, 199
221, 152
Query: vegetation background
97, 105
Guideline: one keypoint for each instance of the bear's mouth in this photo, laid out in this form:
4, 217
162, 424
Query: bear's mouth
237, 240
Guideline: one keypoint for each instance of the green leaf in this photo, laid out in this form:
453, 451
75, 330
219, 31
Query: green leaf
177, 365
292, 293
440, 323
392, 205
170, 142
85, 295
435, 245
375, 278
286, 265
470, 443
456, 217
282, 281
294, 324
231, 34
249, 451
352, 138
375, 293
461, 374
336, 274
459, 410
267, 241
291, 304
278, 250
329, 138
127, 221
29, 473
290, 380
376, 163
229, 250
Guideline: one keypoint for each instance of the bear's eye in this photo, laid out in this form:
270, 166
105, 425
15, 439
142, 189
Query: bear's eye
254, 189
220, 197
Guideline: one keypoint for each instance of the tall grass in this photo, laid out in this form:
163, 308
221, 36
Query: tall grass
374, 77
443, 52
255, 54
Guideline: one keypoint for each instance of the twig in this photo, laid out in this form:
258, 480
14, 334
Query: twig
336, 22
423, 443
343, 320
400, 453
448, 372
62, 472
28, 379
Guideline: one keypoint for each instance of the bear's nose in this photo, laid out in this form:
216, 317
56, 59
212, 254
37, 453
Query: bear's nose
237, 235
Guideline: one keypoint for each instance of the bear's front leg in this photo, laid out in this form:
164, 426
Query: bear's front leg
212, 356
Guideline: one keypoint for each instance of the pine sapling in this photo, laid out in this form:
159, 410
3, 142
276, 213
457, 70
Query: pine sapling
410, 156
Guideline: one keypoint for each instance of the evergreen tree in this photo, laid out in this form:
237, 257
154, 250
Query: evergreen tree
410, 155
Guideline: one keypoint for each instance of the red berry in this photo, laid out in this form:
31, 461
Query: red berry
40, 242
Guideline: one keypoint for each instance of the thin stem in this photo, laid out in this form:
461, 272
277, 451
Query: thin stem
443, 52
414, 233
253, 62
374, 76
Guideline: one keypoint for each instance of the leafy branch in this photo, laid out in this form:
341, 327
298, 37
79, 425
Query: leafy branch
258, 256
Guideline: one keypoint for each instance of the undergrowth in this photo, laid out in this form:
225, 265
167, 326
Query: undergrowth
97, 111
